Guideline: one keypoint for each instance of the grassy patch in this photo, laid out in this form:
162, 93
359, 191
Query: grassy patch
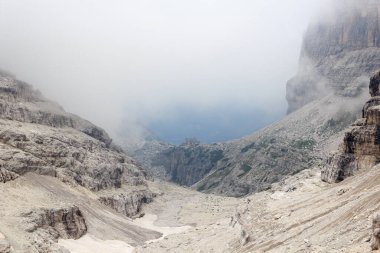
245, 169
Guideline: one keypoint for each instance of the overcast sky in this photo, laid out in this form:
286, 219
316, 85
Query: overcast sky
112, 59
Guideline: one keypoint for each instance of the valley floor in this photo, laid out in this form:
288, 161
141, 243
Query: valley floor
300, 214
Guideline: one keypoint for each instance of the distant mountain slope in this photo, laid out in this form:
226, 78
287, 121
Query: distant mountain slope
339, 53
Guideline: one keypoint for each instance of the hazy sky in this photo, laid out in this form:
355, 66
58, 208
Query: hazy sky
112, 59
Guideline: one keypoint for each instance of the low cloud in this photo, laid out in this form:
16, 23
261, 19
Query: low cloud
134, 61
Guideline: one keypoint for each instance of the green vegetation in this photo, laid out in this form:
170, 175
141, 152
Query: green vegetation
245, 169
248, 147
339, 123
275, 155
304, 144
216, 155
266, 143
201, 187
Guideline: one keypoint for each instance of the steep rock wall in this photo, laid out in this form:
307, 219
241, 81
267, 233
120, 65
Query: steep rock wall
361, 145
339, 51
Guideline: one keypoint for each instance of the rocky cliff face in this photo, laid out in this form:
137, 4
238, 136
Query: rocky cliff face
129, 204
188, 163
338, 50
361, 146
375, 245
46, 226
67, 223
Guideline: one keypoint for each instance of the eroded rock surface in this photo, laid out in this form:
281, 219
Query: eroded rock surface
6, 175
48, 225
361, 145
375, 240
130, 203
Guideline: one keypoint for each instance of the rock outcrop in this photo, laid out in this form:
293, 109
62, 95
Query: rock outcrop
6, 175
19, 101
361, 145
130, 203
66, 223
338, 51
48, 225
375, 240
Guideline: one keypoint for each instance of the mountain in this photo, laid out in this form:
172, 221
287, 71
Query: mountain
340, 51
62, 176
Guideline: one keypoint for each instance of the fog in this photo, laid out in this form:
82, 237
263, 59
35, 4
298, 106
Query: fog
123, 61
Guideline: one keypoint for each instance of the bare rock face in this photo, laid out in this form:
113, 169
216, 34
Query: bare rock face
20, 102
375, 240
361, 145
338, 50
48, 225
68, 223
128, 204
37, 135
345, 162
6, 175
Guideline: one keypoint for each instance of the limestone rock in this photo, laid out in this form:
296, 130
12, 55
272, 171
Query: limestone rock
6, 175
67, 223
375, 240
374, 85
338, 50
187, 163
361, 145
129, 204
339, 166
48, 225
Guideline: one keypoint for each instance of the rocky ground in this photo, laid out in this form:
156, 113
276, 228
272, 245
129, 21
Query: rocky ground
299, 214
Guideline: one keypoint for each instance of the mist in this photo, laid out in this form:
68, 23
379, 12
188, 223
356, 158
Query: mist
121, 63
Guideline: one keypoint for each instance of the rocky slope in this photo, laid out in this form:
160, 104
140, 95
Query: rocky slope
38, 136
340, 51
316, 218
